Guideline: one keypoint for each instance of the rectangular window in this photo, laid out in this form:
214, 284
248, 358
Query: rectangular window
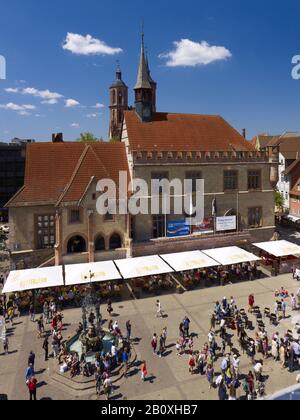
160, 176
230, 180
194, 176
158, 226
255, 217
254, 180
45, 231
74, 216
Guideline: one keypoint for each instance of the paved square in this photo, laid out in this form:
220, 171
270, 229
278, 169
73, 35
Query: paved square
170, 376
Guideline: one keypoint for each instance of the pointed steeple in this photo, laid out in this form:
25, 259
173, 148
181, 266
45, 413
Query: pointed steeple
143, 80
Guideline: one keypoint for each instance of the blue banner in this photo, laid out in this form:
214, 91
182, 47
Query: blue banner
178, 228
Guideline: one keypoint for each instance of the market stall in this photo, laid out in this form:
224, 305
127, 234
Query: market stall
149, 274
192, 267
279, 257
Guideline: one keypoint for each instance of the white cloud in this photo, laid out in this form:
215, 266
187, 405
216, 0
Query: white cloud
98, 106
12, 90
87, 45
43, 94
75, 125
92, 115
24, 113
188, 53
19, 108
50, 102
71, 103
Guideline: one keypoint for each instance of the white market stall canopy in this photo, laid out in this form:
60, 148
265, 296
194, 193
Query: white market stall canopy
279, 248
40, 278
231, 255
80, 273
183, 261
142, 266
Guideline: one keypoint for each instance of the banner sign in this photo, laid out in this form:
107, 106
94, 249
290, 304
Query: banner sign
226, 223
177, 228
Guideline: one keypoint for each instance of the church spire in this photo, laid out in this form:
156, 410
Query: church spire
143, 81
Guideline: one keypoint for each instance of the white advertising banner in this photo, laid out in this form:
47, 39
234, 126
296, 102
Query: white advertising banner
184, 261
37, 278
101, 271
143, 266
226, 223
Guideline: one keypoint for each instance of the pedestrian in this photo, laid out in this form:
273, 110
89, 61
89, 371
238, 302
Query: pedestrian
98, 379
128, 329
31, 313
107, 386
161, 346
144, 371
31, 359
159, 312
283, 308
32, 385
258, 371
125, 360
109, 307
291, 358
222, 392
40, 327
192, 364
165, 336
29, 373
154, 343
11, 314
293, 302
5, 345
210, 375
186, 326
236, 366
46, 348
251, 302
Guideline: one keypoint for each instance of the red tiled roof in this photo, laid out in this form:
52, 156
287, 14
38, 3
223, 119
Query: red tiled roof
62, 171
183, 132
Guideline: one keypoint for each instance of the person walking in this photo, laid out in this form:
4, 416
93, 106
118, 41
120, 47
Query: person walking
154, 343
159, 311
186, 326
5, 345
144, 371
31, 359
165, 336
46, 348
32, 385
31, 313
98, 379
210, 375
161, 346
128, 329
29, 373
109, 307
251, 302
293, 302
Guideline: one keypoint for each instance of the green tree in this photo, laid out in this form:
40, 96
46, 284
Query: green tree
88, 137
279, 200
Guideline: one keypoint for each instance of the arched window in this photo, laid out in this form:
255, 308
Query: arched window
115, 242
113, 97
76, 245
100, 244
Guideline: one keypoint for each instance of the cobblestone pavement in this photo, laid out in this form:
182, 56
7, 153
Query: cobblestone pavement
170, 378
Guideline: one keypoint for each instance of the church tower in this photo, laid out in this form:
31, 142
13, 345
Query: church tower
118, 104
145, 89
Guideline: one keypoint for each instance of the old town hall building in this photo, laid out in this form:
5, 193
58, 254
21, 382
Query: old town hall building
54, 219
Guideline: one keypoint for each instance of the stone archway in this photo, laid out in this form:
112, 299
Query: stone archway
76, 245
115, 241
100, 243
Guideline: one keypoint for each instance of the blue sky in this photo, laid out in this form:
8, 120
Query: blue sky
248, 81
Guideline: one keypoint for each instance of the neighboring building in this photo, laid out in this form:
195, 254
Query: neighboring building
292, 174
12, 166
56, 208
289, 150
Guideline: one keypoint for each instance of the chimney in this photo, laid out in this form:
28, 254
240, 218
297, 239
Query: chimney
244, 133
57, 138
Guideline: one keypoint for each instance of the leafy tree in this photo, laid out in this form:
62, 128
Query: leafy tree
279, 200
88, 137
